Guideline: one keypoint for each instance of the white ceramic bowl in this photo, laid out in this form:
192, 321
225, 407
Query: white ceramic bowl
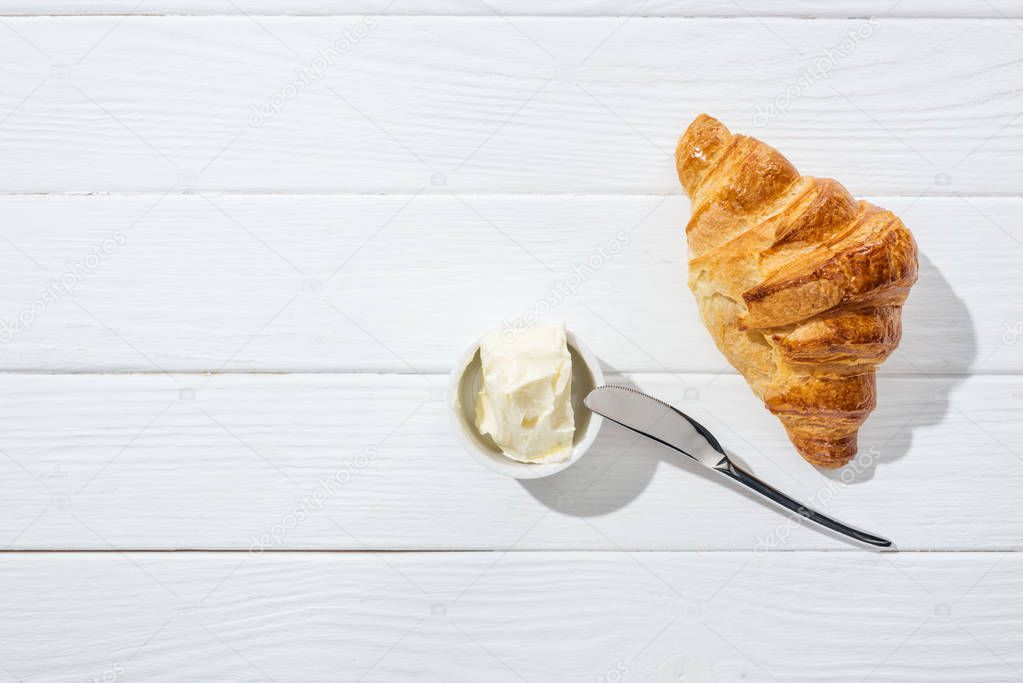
464, 385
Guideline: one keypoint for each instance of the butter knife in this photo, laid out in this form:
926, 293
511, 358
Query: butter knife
661, 422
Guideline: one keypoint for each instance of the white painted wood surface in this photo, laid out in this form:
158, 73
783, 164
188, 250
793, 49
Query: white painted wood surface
313, 284
123, 461
281, 302
473, 104
516, 616
568, 8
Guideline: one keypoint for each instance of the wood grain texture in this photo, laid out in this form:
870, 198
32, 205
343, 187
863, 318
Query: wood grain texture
446, 173
477, 104
537, 617
569, 8
344, 283
227, 462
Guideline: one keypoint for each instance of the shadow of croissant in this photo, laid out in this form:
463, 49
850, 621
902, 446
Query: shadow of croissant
936, 326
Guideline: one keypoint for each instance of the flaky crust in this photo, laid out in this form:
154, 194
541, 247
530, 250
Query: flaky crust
800, 284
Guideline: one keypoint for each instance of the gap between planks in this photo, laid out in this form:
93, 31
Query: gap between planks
502, 551
444, 372
756, 14
127, 194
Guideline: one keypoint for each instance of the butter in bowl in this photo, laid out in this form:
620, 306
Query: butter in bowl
517, 400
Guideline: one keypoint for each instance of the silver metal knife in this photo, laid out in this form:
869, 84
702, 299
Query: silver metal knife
661, 422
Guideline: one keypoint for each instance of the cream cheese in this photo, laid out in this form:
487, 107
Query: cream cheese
525, 401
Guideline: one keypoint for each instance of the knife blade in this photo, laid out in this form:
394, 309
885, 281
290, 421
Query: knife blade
667, 425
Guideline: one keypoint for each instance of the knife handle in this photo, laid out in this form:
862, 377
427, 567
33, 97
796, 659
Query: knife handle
730, 470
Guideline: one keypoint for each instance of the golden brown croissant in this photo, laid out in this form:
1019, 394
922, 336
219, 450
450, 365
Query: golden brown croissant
800, 285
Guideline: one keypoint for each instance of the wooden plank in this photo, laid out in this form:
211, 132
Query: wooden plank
476, 104
588, 8
233, 461
518, 616
343, 283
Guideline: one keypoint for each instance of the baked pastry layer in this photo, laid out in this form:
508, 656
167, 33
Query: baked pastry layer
800, 284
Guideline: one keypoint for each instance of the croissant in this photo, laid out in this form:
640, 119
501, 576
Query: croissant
800, 285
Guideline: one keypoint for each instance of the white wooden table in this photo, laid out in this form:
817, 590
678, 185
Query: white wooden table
224, 404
